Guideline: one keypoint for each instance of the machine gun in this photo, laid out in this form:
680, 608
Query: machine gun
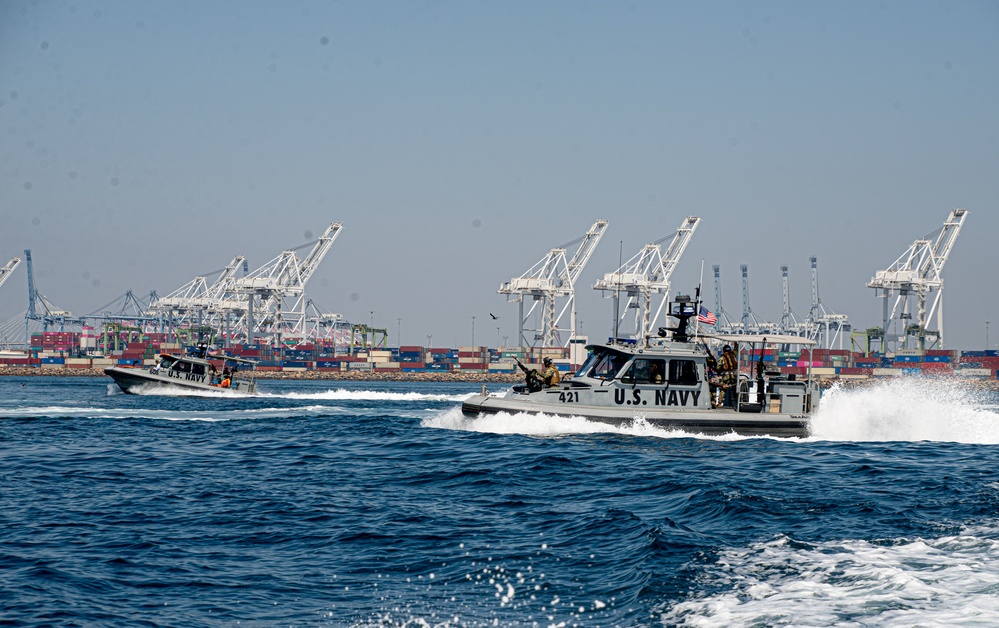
531, 377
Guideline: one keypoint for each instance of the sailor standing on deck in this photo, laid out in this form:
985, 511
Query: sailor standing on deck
728, 369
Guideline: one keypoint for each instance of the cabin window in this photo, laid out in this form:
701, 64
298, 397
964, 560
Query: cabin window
182, 367
645, 371
198, 369
608, 365
683, 372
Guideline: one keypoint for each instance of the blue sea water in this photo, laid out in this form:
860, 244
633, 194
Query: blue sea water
378, 504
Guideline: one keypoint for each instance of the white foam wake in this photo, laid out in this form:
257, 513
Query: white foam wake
341, 394
548, 425
951, 580
907, 409
73, 412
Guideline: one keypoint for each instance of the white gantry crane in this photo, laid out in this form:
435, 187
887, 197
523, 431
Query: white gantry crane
823, 325
751, 324
917, 273
8, 269
274, 294
196, 302
647, 272
724, 322
790, 324
553, 277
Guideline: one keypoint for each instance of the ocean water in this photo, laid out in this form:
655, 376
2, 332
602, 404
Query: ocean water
378, 504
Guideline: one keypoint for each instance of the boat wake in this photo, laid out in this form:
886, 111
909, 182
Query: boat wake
154, 390
71, 412
367, 395
907, 409
950, 580
548, 425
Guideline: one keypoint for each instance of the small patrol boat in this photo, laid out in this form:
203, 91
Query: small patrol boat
203, 372
666, 382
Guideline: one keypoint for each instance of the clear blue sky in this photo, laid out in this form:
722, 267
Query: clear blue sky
144, 143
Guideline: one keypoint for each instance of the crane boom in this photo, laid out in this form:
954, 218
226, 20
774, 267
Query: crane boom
8, 269
646, 272
552, 277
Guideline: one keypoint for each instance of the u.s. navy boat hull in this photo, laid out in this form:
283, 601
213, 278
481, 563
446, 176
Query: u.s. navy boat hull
671, 383
711, 421
188, 373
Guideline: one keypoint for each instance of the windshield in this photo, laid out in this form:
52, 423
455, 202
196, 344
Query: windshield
602, 365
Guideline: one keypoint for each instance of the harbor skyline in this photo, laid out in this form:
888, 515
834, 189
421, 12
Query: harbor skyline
458, 143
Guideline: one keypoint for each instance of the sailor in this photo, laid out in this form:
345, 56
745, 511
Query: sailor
226, 379
550, 375
655, 373
728, 369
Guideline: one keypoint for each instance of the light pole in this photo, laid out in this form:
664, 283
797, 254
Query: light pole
986, 335
398, 331
473, 331
430, 340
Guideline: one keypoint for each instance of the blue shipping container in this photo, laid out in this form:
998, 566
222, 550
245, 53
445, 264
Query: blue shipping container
911, 371
908, 358
937, 358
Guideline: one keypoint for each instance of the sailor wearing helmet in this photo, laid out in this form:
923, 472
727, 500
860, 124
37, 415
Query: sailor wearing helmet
550, 375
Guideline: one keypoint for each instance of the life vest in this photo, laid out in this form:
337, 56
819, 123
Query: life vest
727, 362
225, 383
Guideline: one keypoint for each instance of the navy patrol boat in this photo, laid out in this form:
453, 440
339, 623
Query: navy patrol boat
200, 372
665, 382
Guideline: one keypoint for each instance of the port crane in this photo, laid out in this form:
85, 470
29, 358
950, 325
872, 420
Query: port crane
198, 299
554, 276
647, 272
274, 294
751, 324
724, 323
790, 324
915, 275
823, 325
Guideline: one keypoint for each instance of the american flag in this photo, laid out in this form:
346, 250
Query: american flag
705, 316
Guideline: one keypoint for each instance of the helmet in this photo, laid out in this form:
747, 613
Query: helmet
546, 361
727, 348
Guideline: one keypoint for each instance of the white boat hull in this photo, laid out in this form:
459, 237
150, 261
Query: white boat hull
711, 421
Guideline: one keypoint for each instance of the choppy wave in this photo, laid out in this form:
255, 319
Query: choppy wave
385, 506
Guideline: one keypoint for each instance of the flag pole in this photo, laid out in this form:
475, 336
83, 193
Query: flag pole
697, 323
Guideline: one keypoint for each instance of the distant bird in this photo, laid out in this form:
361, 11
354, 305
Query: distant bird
493, 315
